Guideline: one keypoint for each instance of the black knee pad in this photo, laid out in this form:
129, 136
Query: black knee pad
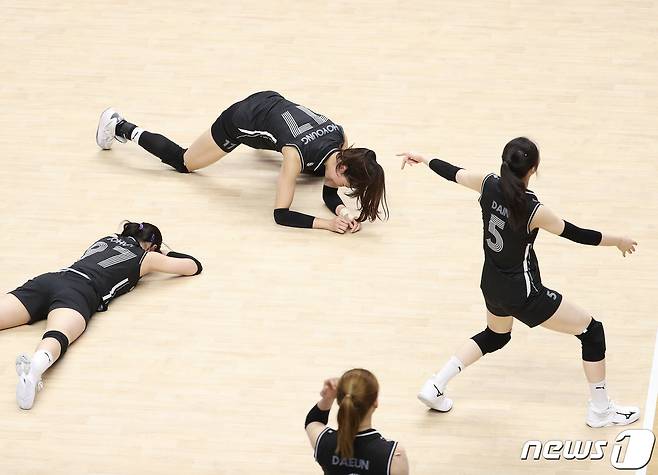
60, 337
593, 342
490, 341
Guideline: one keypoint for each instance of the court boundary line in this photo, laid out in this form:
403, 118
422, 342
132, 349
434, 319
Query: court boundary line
652, 398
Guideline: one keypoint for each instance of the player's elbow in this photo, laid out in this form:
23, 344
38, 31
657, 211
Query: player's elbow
280, 215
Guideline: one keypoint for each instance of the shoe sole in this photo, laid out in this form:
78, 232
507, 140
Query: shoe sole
23, 365
610, 424
105, 116
429, 404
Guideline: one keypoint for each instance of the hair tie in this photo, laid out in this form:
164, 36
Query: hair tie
141, 226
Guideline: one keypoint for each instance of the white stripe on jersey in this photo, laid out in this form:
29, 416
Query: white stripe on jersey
484, 180
532, 215
324, 158
526, 272
390, 458
261, 133
114, 289
77, 272
317, 442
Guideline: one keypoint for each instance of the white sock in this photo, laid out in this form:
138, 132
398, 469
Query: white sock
599, 392
41, 361
134, 136
451, 369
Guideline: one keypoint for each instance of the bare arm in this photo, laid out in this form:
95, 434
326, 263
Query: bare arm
156, 262
469, 179
549, 221
400, 463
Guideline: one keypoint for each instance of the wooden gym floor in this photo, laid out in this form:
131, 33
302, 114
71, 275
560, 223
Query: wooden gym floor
214, 375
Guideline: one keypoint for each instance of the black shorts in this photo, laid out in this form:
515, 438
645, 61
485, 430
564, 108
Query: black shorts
62, 289
243, 115
538, 308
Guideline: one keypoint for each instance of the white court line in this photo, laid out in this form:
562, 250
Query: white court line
652, 395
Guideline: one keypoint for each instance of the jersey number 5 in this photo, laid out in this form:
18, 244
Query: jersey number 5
495, 223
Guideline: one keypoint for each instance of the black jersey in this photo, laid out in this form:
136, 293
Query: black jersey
112, 264
269, 121
372, 454
511, 272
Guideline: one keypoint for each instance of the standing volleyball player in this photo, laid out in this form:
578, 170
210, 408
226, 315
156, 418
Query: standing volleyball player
309, 142
355, 448
68, 298
511, 284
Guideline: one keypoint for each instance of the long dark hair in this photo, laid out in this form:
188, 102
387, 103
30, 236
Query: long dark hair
366, 179
357, 392
145, 232
520, 155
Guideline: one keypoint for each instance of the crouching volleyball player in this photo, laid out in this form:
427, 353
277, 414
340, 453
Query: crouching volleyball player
68, 298
310, 144
355, 448
511, 284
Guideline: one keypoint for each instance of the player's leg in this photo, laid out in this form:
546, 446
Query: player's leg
12, 312
211, 146
64, 326
496, 335
573, 320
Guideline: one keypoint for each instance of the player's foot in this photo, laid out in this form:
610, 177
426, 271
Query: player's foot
613, 415
105, 134
27, 386
433, 397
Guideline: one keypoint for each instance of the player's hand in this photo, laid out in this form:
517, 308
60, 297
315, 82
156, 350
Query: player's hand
355, 225
626, 245
329, 389
410, 158
338, 225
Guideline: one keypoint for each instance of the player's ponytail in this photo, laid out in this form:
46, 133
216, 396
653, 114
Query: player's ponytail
519, 157
366, 179
145, 232
357, 396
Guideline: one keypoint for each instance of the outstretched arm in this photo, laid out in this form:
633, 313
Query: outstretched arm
472, 180
171, 263
318, 416
546, 219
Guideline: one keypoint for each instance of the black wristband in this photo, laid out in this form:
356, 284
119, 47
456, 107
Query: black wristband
445, 169
316, 415
180, 255
285, 217
331, 198
581, 236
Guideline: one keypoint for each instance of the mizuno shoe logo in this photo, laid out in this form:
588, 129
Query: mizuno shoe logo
438, 393
599, 387
627, 416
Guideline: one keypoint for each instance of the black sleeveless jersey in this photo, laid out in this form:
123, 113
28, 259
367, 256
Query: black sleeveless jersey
511, 272
112, 264
372, 454
278, 122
